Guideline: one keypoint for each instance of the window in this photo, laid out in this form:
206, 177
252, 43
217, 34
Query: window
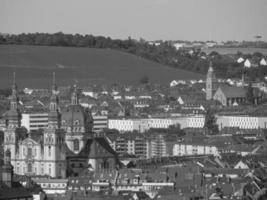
30, 152
76, 145
29, 167
49, 151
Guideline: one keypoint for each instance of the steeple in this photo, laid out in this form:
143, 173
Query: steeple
14, 96
13, 116
53, 116
210, 83
54, 97
210, 67
54, 85
74, 96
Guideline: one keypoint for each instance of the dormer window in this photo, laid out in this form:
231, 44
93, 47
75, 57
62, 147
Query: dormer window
77, 122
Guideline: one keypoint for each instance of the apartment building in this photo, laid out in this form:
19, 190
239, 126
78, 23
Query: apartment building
191, 148
242, 122
143, 124
132, 144
100, 122
34, 121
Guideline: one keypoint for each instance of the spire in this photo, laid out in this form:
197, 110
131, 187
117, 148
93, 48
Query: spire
54, 85
210, 67
74, 96
54, 98
14, 85
14, 96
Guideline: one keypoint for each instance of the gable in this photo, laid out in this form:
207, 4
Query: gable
29, 141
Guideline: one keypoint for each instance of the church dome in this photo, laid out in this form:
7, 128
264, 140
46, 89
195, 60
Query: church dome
77, 118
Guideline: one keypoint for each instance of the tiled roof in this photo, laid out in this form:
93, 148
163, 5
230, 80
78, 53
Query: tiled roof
13, 192
233, 92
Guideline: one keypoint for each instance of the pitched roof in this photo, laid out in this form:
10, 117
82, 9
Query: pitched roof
233, 92
13, 192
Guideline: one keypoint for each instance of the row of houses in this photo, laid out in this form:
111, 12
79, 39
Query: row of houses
35, 121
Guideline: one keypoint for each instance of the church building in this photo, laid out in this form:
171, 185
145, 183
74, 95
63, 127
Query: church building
66, 147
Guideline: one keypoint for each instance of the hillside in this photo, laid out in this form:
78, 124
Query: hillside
34, 66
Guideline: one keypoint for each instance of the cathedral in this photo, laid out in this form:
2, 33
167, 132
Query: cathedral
66, 147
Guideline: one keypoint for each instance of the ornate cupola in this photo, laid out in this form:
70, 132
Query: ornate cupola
74, 96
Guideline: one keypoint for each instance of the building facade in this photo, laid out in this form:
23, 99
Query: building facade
41, 154
188, 149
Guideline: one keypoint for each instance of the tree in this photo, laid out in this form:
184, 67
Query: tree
210, 122
144, 80
250, 95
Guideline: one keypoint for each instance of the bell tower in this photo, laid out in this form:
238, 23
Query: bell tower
210, 83
54, 138
54, 115
13, 118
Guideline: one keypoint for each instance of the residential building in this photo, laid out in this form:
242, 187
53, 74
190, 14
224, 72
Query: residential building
241, 121
34, 121
191, 148
100, 122
128, 143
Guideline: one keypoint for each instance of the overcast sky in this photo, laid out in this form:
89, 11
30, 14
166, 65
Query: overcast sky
150, 19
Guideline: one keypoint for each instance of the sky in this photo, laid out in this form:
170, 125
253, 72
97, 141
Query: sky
218, 20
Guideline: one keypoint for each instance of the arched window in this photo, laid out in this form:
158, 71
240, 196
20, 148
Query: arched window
29, 167
30, 152
49, 150
76, 145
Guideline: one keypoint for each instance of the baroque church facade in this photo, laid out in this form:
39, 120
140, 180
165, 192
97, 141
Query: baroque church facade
66, 143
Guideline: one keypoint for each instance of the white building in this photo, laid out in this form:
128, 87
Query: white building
144, 124
100, 122
187, 149
34, 121
52, 186
242, 122
263, 62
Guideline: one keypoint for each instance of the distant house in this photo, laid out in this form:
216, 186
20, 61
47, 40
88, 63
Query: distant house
263, 62
240, 60
247, 63
241, 165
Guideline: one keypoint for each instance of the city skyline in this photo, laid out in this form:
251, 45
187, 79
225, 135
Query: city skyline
152, 19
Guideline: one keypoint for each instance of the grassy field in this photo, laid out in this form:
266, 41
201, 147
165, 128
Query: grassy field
225, 50
34, 66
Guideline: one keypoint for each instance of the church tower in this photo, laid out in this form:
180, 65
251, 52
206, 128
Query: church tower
13, 118
54, 138
210, 83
